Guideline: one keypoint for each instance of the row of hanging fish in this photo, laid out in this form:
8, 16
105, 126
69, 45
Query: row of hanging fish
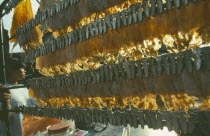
53, 10
179, 121
42, 16
130, 16
170, 63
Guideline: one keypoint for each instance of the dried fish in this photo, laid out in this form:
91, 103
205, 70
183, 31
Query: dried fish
188, 60
133, 12
95, 26
108, 22
106, 71
168, 119
177, 3
118, 20
87, 32
159, 120
80, 34
123, 14
116, 71
166, 64
152, 8
104, 25
100, 28
132, 69
175, 122
140, 116
197, 58
111, 72
180, 62
152, 65
129, 16
152, 116
172, 63
122, 71
102, 79
139, 68
159, 66
91, 29
97, 75
183, 122
206, 57
148, 118
185, 2
168, 4
145, 67
140, 13
90, 77
126, 67
114, 21
146, 8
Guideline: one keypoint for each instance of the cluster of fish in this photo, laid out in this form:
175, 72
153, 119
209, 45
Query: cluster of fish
10, 5
147, 67
179, 121
43, 15
23, 31
132, 15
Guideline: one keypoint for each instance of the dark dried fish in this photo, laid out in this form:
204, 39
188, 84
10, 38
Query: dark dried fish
100, 28
180, 62
123, 14
95, 27
127, 70
140, 13
108, 22
139, 68
118, 19
145, 66
166, 64
129, 16
114, 21
122, 71
146, 8
172, 63
152, 8
176, 3
197, 58
185, 2
188, 60
159, 66
168, 4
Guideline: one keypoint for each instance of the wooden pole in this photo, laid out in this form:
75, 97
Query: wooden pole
4, 79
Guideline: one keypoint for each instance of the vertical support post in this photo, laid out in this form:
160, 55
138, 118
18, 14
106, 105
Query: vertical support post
3, 71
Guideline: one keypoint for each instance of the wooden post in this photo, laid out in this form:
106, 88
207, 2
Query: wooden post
3, 71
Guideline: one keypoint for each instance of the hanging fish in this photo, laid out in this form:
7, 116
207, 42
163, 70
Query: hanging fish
123, 14
160, 6
166, 64
172, 60
188, 60
159, 66
176, 3
139, 12
145, 66
197, 58
146, 8
152, 8
168, 4
139, 68
180, 62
